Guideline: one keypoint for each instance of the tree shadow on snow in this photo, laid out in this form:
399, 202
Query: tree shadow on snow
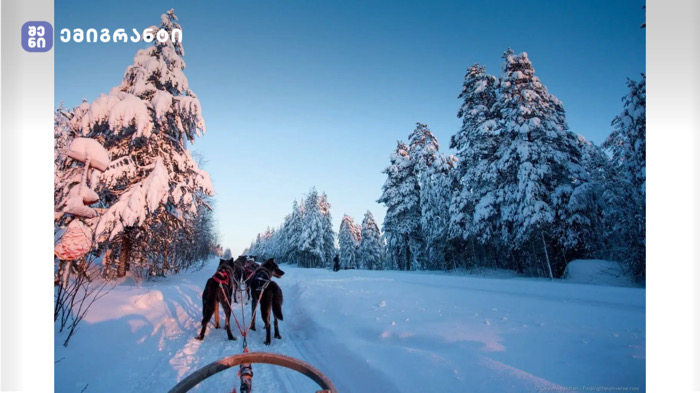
93, 359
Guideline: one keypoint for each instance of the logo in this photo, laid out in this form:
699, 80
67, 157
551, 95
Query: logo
120, 35
37, 36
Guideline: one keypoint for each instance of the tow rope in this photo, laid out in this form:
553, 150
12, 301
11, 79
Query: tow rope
245, 372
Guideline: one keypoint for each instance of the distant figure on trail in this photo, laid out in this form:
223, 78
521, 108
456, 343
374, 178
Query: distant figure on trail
336, 263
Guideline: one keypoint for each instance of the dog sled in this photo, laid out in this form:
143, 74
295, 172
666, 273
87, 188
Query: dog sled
245, 361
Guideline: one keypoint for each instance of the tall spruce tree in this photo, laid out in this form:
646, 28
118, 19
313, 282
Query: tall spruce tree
328, 243
475, 144
423, 151
537, 162
348, 243
627, 142
294, 228
312, 239
437, 185
371, 249
284, 233
589, 199
401, 197
626, 198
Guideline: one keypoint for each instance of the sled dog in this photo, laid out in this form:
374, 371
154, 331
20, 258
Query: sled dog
271, 299
219, 289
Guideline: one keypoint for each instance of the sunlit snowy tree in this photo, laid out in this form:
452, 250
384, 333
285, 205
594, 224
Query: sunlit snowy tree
146, 123
475, 144
293, 231
537, 163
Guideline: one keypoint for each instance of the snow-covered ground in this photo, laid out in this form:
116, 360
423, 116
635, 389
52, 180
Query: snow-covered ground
372, 331
596, 271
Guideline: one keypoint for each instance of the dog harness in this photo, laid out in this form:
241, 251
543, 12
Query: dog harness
262, 280
248, 271
221, 277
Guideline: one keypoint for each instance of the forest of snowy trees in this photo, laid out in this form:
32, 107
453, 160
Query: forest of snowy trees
152, 210
522, 191
306, 236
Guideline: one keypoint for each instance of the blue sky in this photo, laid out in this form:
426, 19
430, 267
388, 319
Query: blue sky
298, 94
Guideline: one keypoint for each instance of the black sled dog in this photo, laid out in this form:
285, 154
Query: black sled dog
271, 299
243, 269
219, 289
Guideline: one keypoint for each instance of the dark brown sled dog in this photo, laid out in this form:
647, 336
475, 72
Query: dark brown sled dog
242, 274
213, 295
271, 299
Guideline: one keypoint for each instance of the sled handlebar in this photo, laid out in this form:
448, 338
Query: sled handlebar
255, 357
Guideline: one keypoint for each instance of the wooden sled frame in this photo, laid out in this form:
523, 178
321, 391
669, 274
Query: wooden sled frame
256, 357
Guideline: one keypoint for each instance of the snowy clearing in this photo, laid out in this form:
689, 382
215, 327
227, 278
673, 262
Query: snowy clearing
371, 331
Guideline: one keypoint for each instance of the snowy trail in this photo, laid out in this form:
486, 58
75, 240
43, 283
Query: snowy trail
371, 331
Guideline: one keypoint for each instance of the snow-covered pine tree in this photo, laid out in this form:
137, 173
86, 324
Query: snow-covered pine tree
423, 150
250, 249
284, 251
66, 173
263, 244
305, 236
371, 251
294, 229
312, 239
271, 248
437, 183
478, 111
627, 142
401, 197
475, 144
328, 244
587, 204
537, 163
423, 147
256, 247
357, 237
145, 124
347, 243
625, 216
279, 243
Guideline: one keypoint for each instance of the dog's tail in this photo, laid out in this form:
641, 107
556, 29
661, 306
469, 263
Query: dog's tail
277, 302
